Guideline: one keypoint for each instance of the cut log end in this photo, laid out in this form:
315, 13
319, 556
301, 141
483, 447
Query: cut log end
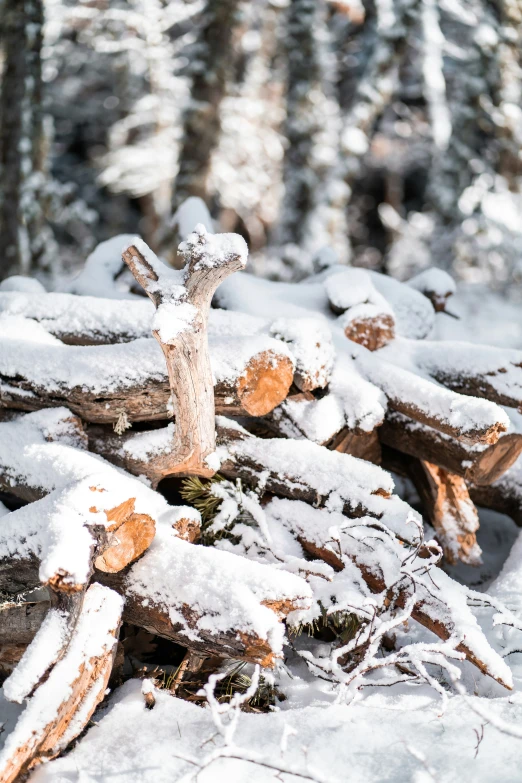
372, 333
129, 542
265, 383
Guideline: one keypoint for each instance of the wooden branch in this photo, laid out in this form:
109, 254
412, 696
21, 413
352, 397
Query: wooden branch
447, 503
479, 465
182, 303
63, 704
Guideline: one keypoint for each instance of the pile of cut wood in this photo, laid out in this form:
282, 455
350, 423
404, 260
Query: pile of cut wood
285, 518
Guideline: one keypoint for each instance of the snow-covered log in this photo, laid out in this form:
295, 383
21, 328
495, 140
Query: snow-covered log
212, 602
470, 369
62, 705
478, 464
291, 468
468, 419
102, 383
89, 524
365, 315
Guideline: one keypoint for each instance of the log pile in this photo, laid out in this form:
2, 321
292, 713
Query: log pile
108, 407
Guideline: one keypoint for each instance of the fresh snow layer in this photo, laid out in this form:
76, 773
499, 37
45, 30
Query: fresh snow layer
459, 411
99, 273
394, 738
56, 531
224, 592
44, 450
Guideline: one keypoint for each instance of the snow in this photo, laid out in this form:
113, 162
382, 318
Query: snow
354, 287
433, 280
224, 592
44, 450
27, 285
190, 213
32, 354
340, 480
311, 346
98, 275
38, 657
91, 317
402, 733
212, 250
465, 414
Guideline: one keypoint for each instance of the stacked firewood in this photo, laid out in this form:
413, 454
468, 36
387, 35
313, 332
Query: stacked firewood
316, 385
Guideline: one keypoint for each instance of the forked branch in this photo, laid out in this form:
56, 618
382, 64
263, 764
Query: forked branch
182, 300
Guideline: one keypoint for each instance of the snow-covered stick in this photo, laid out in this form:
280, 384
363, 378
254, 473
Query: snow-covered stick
182, 301
478, 465
63, 704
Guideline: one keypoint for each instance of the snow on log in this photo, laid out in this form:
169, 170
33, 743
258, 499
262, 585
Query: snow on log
253, 373
441, 604
469, 419
45, 649
413, 313
62, 705
91, 523
47, 450
478, 464
296, 469
365, 315
436, 285
98, 276
213, 602
90, 321
352, 405
470, 369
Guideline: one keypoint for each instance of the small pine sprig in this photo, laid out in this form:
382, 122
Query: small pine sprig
198, 493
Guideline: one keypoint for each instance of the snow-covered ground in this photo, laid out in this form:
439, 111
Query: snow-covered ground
396, 734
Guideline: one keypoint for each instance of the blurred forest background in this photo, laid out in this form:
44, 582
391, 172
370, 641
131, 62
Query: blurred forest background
382, 133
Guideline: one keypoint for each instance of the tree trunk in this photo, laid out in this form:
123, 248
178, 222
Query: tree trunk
202, 126
20, 131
